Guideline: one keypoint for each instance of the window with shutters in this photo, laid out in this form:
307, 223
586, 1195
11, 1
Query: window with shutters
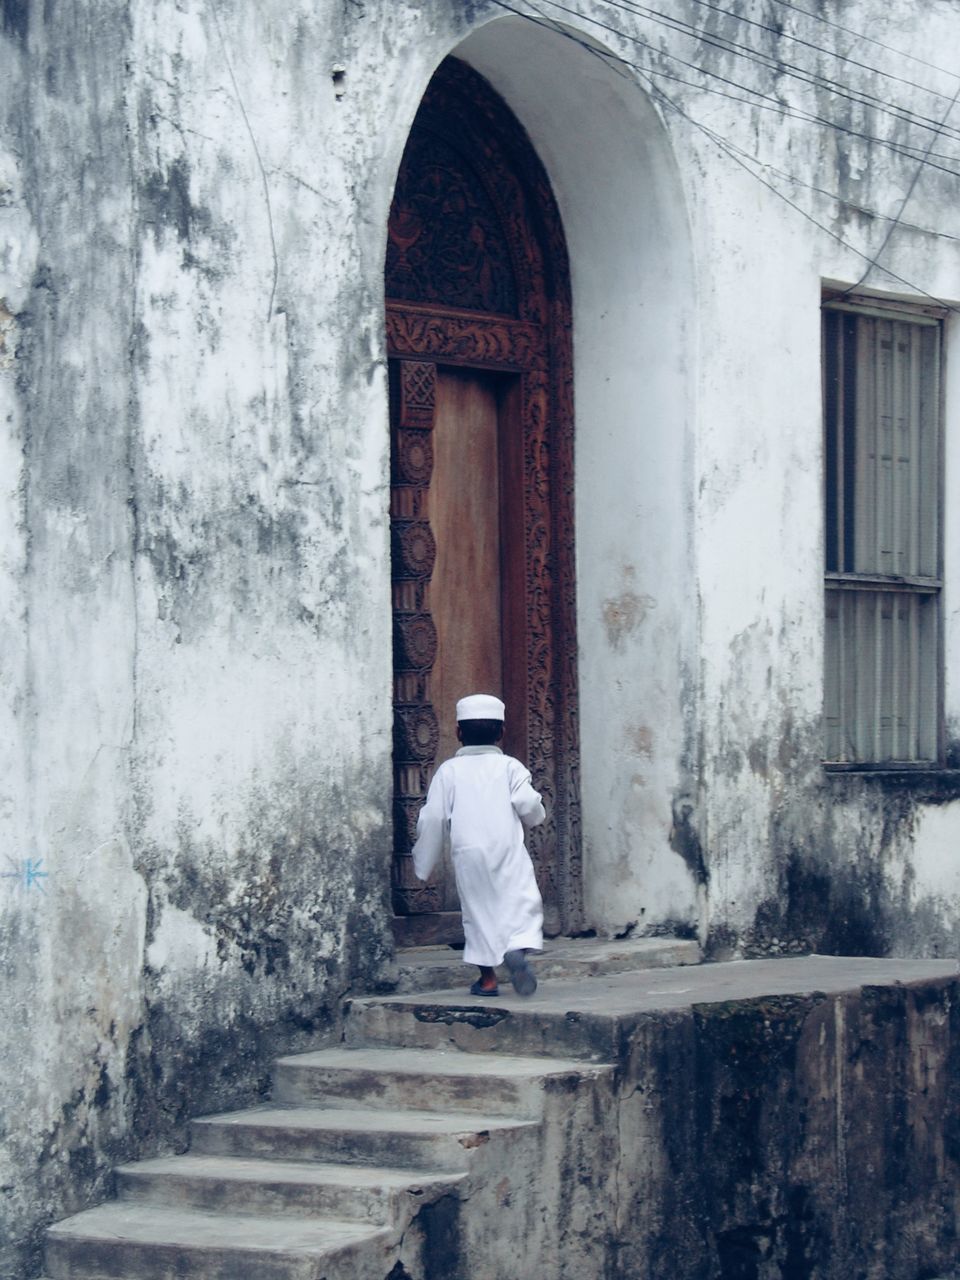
882, 449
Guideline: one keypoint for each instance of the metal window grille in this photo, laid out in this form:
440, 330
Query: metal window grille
882, 522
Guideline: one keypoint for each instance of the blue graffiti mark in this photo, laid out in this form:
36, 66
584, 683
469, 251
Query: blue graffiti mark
32, 874
26, 872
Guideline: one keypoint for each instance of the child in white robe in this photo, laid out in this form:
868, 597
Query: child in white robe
481, 801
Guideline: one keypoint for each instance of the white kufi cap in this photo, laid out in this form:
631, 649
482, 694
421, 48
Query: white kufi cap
481, 706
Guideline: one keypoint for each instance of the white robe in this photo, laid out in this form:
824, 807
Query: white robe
480, 801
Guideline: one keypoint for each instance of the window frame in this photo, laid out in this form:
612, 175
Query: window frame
843, 583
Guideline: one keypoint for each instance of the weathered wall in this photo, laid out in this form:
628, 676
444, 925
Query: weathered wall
194, 580
72, 903
697, 272
632, 276
793, 1138
194, 607
798, 859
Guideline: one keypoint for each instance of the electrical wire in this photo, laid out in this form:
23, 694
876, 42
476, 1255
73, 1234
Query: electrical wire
834, 196
908, 151
759, 100
859, 35
796, 113
841, 201
769, 62
819, 48
609, 58
938, 127
874, 261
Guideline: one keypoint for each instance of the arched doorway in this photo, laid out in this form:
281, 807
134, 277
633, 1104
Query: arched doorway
479, 340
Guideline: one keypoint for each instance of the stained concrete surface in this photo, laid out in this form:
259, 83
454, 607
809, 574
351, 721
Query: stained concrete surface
759, 1120
437, 967
649, 990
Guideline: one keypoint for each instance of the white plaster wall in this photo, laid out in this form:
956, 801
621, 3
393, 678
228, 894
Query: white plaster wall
194, 596
699, 421
18, 250
263, 654
759, 542
932, 873
71, 903
951, 526
613, 174
697, 276
775, 832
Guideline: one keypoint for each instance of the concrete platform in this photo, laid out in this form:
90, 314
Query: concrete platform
495, 1084
157, 1243
580, 1018
435, 968
643, 990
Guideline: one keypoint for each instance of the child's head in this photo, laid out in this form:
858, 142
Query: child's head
480, 720
479, 733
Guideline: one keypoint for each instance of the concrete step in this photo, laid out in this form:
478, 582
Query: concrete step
397, 1139
447, 1021
441, 967
127, 1240
411, 1079
231, 1185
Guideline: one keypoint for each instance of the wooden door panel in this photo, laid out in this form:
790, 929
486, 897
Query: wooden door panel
463, 596
459, 598
464, 513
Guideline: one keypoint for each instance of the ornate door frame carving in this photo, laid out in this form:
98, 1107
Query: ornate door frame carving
468, 158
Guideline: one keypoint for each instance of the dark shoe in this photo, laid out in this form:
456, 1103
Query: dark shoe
477, 990
521, 975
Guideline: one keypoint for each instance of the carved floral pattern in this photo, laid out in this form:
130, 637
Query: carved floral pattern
414, 643
412, 457
476, 341
446, 245
414, 550
416, 734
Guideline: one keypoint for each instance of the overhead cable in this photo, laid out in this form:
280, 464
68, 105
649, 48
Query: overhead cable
819, 48
860, 35
905, 149
835, 198
875, 260
763, 61
609, 58
757, 98
776, 64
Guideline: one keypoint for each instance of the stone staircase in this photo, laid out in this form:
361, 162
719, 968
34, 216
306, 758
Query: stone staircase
771, 1118
357, 1170
362, 1165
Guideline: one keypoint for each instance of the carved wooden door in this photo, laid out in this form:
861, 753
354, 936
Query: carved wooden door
481, 504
